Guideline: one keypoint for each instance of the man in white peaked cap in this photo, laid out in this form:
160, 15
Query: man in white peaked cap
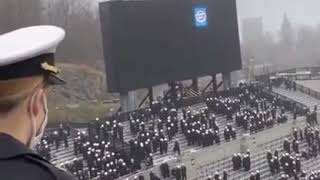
27, 70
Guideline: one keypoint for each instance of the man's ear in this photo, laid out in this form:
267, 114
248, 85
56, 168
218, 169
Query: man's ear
35, 103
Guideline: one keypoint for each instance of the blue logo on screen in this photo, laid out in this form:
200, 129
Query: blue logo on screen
200, 16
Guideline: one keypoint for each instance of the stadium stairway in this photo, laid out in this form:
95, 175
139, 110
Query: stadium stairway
311, 164
64, 155
257, 159
225, 163
259, 162
180, 137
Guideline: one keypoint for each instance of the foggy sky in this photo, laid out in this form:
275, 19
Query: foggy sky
300, 12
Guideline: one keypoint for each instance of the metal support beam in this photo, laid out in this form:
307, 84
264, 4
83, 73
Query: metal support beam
143, 100
219, 85
127, 101
150, 92
207, 86
149, 97
226, 80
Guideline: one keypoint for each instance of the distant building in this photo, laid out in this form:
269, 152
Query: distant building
252, 30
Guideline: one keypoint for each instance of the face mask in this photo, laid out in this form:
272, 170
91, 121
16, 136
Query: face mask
36, 137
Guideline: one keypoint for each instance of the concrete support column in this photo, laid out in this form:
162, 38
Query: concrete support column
158, 90
127, 101
214, 83
195, 85
226, 80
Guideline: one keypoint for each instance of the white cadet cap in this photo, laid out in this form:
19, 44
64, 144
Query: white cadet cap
30, 51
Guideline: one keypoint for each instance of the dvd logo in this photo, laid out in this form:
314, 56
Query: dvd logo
200, 16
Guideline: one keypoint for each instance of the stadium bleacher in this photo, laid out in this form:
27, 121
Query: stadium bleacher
259, 162
65, 155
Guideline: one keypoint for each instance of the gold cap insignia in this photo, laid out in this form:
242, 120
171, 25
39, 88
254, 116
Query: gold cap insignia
50, 68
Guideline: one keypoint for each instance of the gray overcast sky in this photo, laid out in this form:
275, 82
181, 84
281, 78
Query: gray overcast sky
300, 12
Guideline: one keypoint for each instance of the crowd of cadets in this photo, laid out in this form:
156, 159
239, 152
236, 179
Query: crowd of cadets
311, 136
103, 160
108, 129
179, 172
44, 149
289, 84
159, 124
201, 128
277, 82
155, 126
312, 117
165, 170
290, 160
241, 161
218, 177
54, 138
255, 176
262, 114
289, 164
315, 175
153, 137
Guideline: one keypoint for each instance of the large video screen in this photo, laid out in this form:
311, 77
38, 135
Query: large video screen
150, 42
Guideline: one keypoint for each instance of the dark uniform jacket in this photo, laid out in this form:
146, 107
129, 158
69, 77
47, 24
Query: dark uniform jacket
17, 162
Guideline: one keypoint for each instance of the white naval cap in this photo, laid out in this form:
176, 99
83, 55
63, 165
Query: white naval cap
30, 51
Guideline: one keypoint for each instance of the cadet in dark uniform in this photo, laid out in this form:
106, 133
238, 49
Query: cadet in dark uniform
26, 70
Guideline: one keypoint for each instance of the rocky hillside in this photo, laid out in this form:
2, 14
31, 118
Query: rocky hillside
84, 83
84, 96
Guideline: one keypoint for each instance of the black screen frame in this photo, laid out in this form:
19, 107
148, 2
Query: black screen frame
123, 75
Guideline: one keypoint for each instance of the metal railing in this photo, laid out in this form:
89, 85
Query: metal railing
300, 106
308, 91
